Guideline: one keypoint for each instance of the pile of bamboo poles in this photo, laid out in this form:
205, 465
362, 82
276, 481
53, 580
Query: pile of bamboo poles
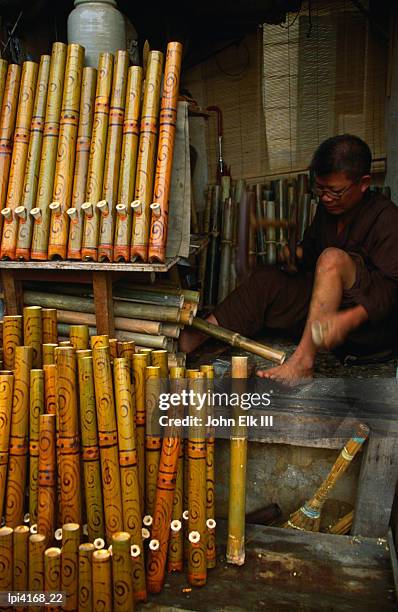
87, 156
81, 427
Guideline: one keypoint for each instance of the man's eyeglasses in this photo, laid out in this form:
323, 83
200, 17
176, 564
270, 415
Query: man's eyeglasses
331, 193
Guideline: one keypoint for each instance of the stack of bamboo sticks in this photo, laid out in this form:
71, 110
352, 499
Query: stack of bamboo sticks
87, 156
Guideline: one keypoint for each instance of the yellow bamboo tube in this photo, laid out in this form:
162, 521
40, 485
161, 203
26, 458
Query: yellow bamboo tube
32, 332
50, 388
3, 78
131, 131
85, 129
17, 461
129, 469
146, 157
123, 597
102, 580
6, 557
36, 409
107, 434
176, 542
140, 362
90, 450
20, 561
85, 595
99, 341
12, 337
63, 180
19, 156
167, 128
153, 441
29, 192
49, 325
113, 156
70, 564
37, 546
97, 156
41, 212
7, 124
52, 572
47, 493
208, 371
6, 399
127, 350
49, 354
79, 336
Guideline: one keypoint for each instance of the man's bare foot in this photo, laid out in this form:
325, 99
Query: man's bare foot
330, 332
293, 370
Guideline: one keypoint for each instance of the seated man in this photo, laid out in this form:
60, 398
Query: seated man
345, 291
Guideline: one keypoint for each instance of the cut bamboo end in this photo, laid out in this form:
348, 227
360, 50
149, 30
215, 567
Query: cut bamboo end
7, 214
88, 209
136, 207
36, 214
156, 209
235, 550
103, 207
21, 212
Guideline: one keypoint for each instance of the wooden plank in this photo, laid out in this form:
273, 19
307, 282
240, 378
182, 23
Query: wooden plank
89, 266
103, 301
13, 297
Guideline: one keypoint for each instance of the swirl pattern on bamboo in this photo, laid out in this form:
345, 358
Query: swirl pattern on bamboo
7, 124
85, 576
6, 581
47, 477
12, 337
36, 409
6, 395
33, 333
21, 538
70, 564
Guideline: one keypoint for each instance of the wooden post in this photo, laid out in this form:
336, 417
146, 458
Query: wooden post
12, 288
103, 300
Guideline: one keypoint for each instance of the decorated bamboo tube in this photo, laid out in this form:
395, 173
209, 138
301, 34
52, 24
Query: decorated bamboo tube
167, 128
36, 409
97, 157
70, 564
37, 546
102, 580
50, 388
29, 192
237, 476
121, 323
32, 327
123, 597
90, 450
113, 348
146, 157
63, 180
79, 336
17, 461
126, 350
18, 159
49, 325
6, 399
129, 470
41, 212
49, 353
85, 594
3, 79
52, 572
107, 434
140, 362
85, 128
68, 436
12, 337
226, 250
153, 441
6, 557
47, 492
20, 562
113, 157
208, 371
99, 341
176, 542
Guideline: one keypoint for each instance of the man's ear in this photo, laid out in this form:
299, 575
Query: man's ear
365, 182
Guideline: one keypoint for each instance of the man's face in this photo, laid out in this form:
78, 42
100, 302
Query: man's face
340, 194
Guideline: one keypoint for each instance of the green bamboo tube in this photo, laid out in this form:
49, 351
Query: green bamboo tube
85, 129
52, 572
129, 469
70, 564
7, 124
123, 597
113, 156
36, 409
20, 561
237, 480
188, 294
6, 399
167, 129
140, 362
3, 77
208, 371
68, 436
121, 323
90, 450
37, 546
63, 179
153, 441
32, 333
107, 434
41, 212
97, 157
146, 157
19, 156
79, 337
176, 542
99, 341
49, 325
170, 330
47, 493
148, 297
6, 557
50, 388
12, 337
85, 595
17, 460
102, 580
29, 192
49, 354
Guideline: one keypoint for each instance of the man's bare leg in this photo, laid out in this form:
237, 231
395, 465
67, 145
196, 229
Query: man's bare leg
190, 338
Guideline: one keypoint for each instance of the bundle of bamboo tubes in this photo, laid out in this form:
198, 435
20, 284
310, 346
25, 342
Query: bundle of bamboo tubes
88, 154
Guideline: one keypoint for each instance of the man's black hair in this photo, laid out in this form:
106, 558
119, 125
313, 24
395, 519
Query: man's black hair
346, 153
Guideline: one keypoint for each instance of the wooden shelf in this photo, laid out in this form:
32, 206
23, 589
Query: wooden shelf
88, 266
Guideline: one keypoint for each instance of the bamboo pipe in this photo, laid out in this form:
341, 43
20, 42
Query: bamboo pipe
6, 399
170, 330
113, 156
102, 580
19, 156
148, 297
49, 354
70, 564
208, 371
20, 561
12, 337
226, 250
146, 156
97, 156
63, 180
153, 442
113, 348
29, 191
213, 260
143, 339
47, 490
6, 557
37, 546
49, 325
36, 409
140, 362
270, 233
123, 324
3, 78
79, 336
17, 460
85, 594
261, 244
99, 341
52, 572
167, 129
41, 212
188, 294
84, 132
50, 389
123, 597
176, 544
32, 324
126, 350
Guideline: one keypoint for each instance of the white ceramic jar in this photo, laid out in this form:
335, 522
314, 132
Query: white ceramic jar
98, 26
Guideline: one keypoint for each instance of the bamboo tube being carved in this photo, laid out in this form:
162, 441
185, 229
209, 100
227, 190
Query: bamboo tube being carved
70, 564
123, 598
63, 180
6, 397
36, 409
20, 545
32, 324
41, 212
85, 594
97, 157
146, 157
47, 494
49, 325
6, 557
12, 337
